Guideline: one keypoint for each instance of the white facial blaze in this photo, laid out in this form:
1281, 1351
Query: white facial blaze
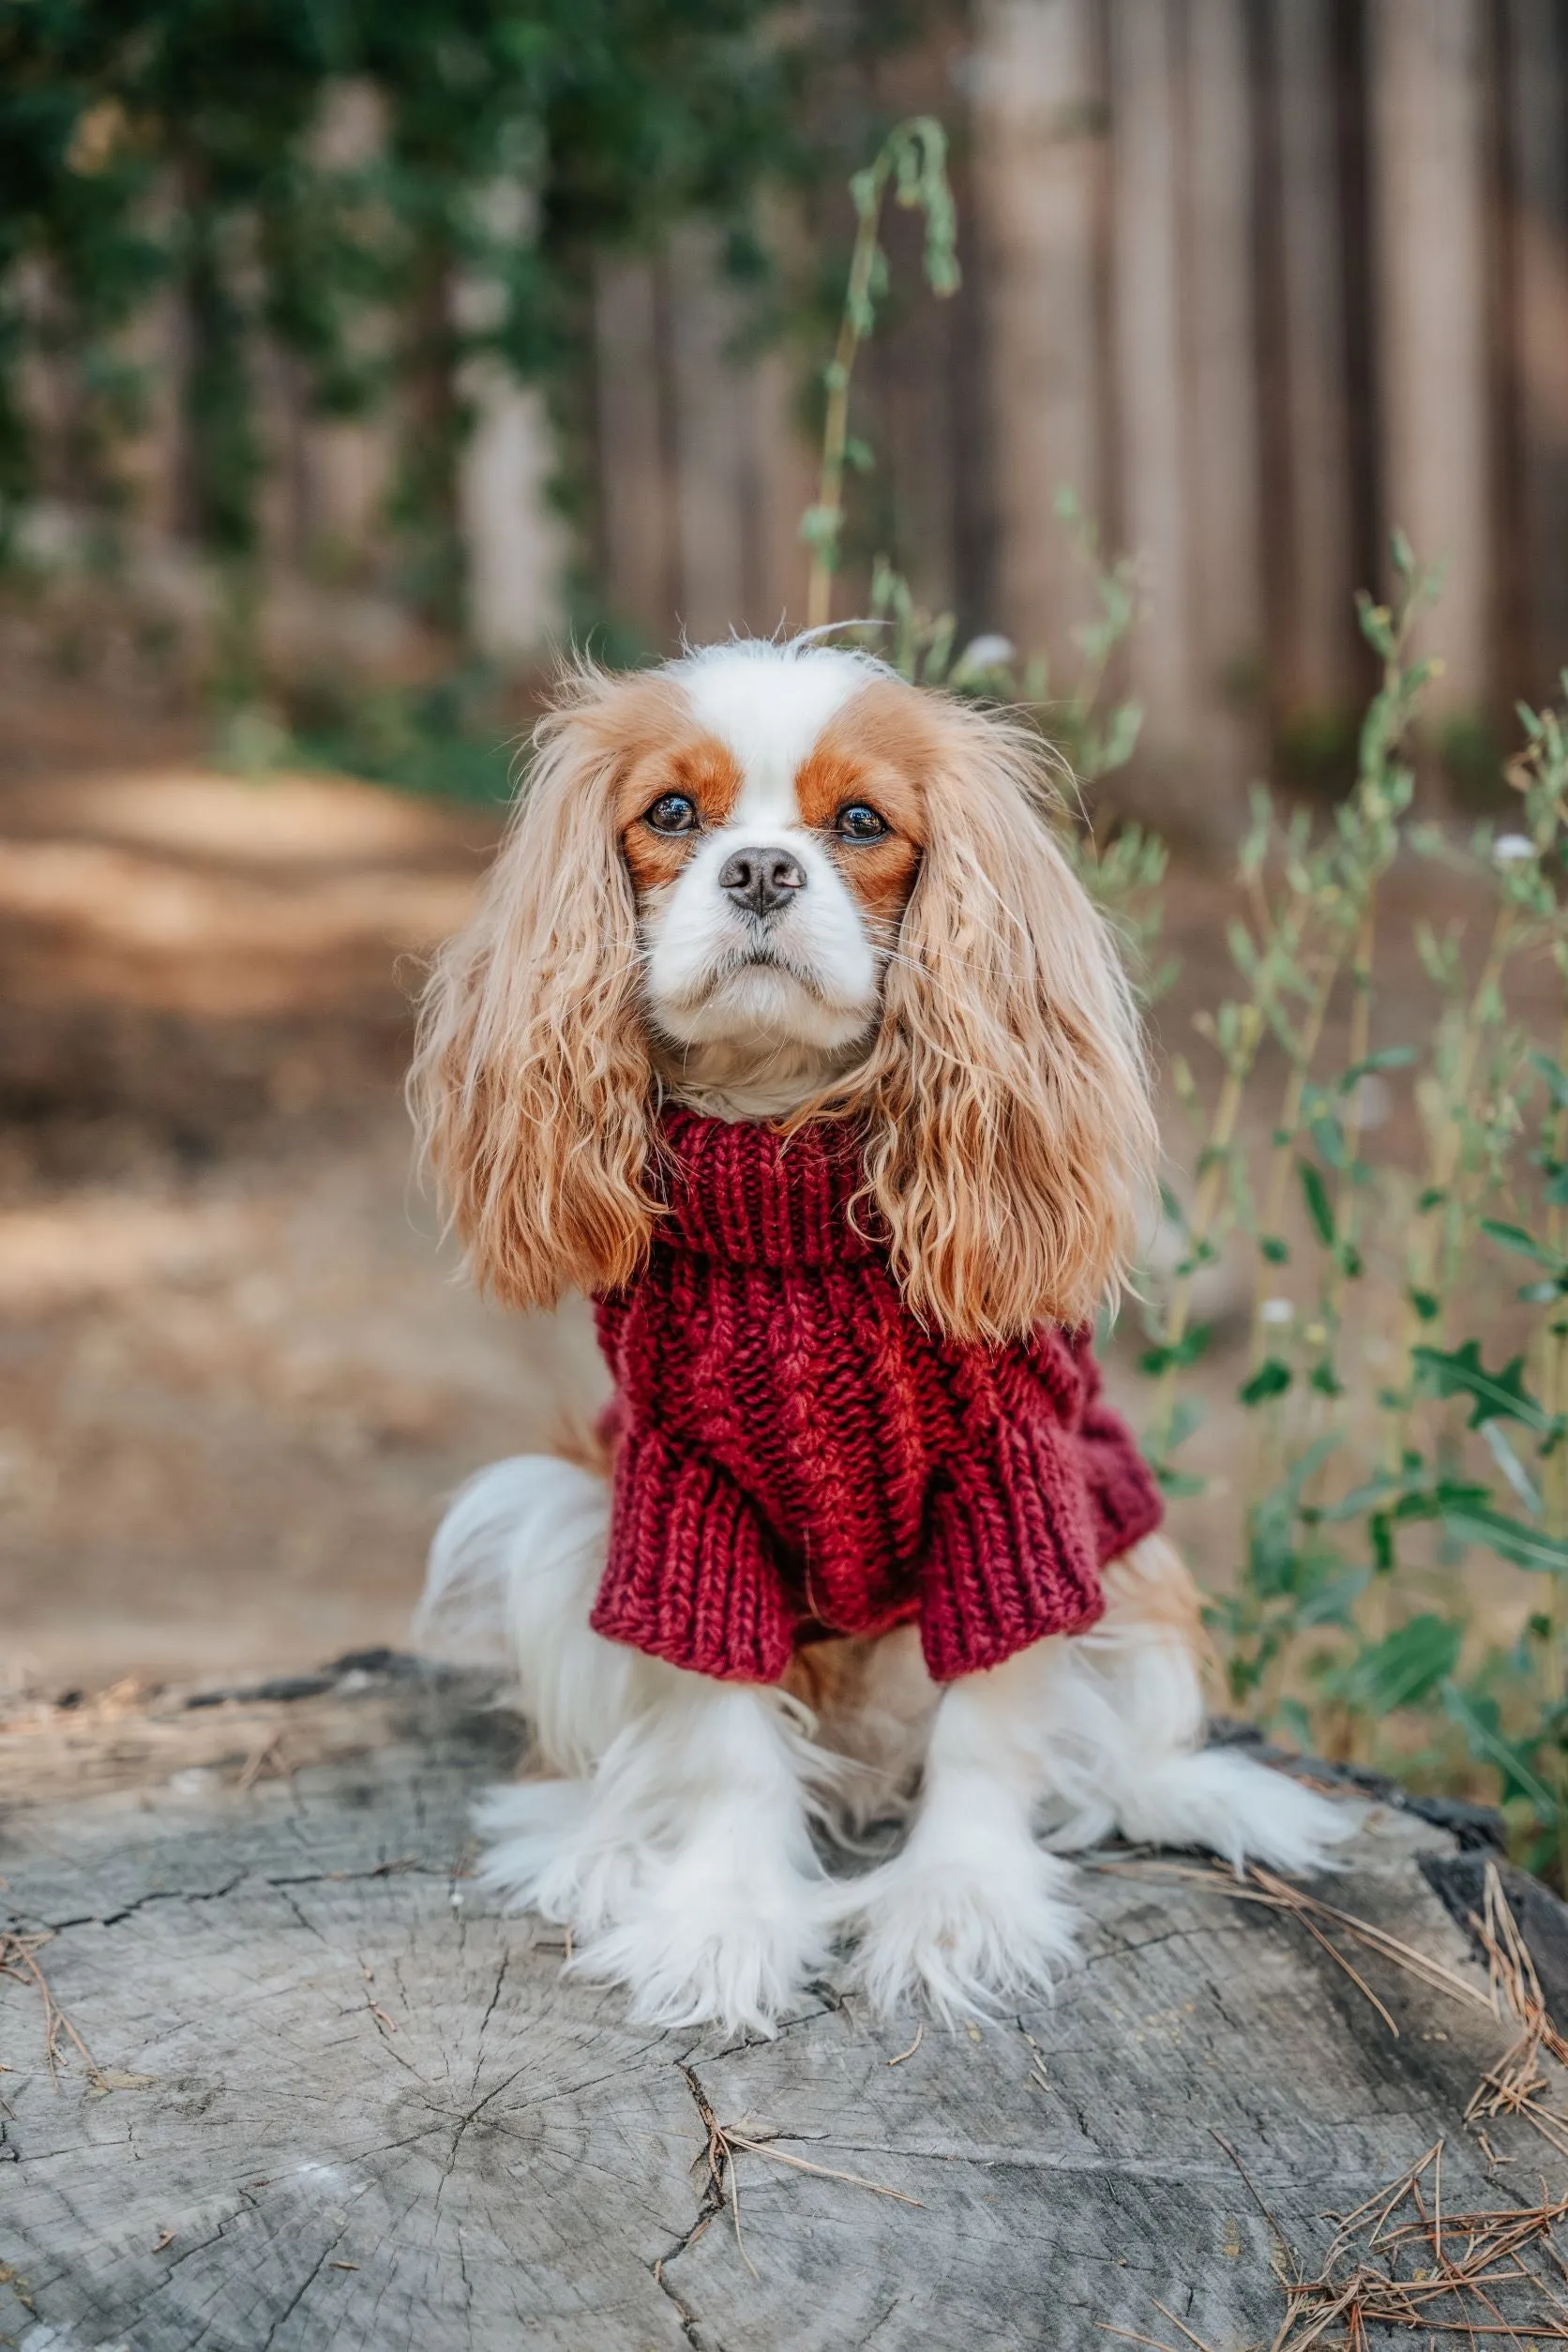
806, 975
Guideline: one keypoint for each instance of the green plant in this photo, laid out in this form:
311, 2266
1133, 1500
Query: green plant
1375, 1155
912, 159
1403, 1406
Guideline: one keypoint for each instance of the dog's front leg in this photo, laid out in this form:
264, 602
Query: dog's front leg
971, 1908
728, 1918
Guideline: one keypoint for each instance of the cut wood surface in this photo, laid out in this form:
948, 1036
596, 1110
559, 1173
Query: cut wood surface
309, 2090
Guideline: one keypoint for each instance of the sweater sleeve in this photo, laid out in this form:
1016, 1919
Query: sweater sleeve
1125, 1500
1012, 1554
690, 1574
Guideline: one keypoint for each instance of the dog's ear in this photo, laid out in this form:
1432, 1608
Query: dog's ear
1011, 1132
530, 1084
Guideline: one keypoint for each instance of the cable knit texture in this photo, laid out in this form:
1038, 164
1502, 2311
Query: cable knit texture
794, 1455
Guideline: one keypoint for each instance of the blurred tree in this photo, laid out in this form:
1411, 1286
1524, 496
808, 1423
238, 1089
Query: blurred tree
188, 143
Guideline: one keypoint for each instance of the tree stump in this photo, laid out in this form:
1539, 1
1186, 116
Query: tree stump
278, 2079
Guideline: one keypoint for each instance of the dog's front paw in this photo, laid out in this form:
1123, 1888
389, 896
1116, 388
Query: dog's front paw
961, 1931
545, 1853
735, 1955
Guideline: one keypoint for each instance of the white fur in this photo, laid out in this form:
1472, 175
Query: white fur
807, 977
729, 1914
769, 702
1084, 1736
514, 1567
1121, 1749
970, 1909
677, 1848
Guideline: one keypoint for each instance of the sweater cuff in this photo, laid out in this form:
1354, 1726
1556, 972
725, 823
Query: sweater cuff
690, 1576
1124, 1498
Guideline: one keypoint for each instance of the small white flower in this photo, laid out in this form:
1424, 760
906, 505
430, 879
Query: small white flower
1509, 847
986, 652
1277, 1310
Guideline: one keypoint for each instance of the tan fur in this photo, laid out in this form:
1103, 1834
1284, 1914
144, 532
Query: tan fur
575, 1438
870, 1701
697, 765
852, 763
530, 1083
1011, 1131
1153, 1586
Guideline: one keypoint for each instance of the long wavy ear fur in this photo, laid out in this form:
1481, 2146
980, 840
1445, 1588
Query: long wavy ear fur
1011, 1135
530, 1085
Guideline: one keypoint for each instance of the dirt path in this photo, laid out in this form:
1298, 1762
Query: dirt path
236, 1376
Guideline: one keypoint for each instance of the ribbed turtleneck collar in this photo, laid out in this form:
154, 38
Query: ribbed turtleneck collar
751, 1195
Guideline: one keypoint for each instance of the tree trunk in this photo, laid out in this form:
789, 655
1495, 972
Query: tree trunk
309, 2091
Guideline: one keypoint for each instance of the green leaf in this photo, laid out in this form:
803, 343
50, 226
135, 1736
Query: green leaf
1274, 1249
1186, 1350
1362, 1499
1179, 1485
1325, 1379
1242, 953
820, 527
1272, 1564
1390, 1058
1171, 1206
1329, 1136
1495, 1394
1201, 1254
1511, 1539
1502, 1454
1556, 1078
1272, 1378
1186, 1415
1333, 1601
1318, 1206
1523, 1245
1376, 625
1425, 1305
1449, 1497
1403, 1667
1306, 1470
1478, 1719
1294, 1721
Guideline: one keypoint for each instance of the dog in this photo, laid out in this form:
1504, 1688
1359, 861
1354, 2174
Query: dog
784, 1030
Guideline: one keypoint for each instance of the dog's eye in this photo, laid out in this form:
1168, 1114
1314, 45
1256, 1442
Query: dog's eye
860, 821
674, 813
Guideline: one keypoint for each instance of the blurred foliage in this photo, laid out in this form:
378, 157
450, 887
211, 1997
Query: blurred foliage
1391, 1586
445, 738
220, 149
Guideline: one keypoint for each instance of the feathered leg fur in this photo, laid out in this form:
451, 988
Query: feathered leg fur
1081, 1738
677, 1844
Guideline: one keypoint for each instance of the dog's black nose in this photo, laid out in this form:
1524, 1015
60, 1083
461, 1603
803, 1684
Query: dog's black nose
761, 881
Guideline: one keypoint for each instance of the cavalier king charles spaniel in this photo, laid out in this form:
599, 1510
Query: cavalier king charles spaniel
764, 915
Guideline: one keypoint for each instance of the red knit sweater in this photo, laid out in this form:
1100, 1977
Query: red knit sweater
795, 1455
